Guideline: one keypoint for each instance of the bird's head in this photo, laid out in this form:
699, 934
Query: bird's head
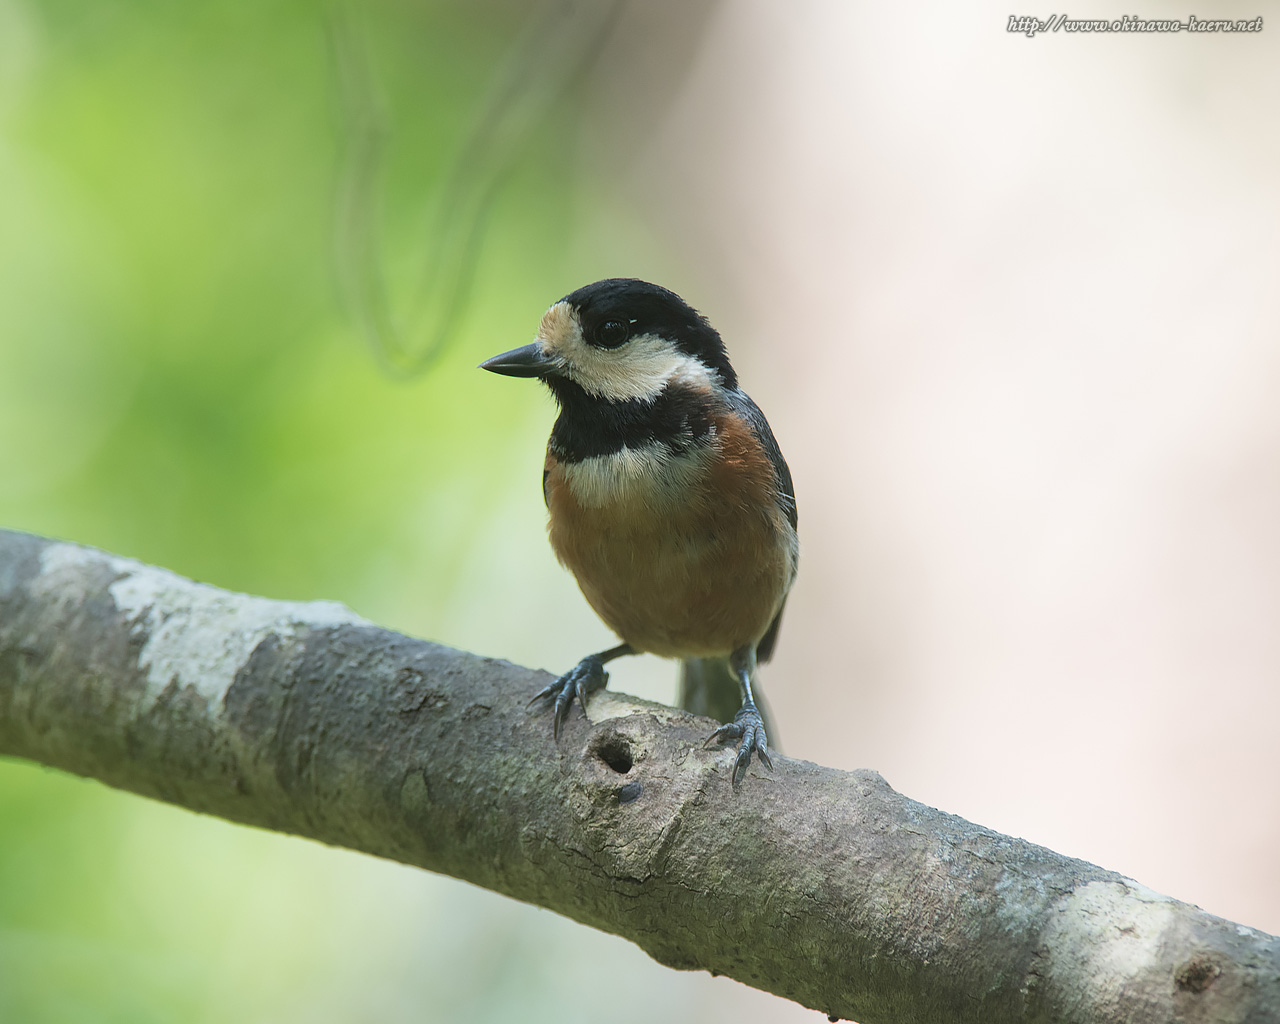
620, 340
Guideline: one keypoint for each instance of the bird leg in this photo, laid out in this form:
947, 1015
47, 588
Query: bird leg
747, 725
585, 677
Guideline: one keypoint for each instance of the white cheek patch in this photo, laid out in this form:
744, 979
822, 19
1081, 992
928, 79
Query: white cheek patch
650, 474
638, 369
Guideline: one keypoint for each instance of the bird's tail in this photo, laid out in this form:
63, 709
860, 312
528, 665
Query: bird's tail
708, 687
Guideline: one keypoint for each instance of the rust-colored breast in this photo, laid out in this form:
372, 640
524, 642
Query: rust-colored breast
690, 556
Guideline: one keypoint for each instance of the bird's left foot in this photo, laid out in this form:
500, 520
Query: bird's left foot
585, 677
748, 727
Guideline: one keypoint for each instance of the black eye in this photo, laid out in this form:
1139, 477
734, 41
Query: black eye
612, 333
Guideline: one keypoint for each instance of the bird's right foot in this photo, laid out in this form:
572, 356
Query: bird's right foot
584, 678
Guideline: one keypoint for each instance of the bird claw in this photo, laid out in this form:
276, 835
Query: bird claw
584, 678
748, 727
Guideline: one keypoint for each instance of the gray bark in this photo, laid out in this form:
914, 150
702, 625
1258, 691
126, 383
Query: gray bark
823, 886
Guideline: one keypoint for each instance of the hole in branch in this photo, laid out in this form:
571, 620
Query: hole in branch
614, 750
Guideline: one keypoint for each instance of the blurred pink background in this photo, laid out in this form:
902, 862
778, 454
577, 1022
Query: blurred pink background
1011, 306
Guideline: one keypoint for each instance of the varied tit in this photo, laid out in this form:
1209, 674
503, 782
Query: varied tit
667, 495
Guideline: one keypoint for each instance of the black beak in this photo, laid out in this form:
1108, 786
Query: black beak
526, 361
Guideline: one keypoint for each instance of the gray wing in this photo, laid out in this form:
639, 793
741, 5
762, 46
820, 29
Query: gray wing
742, 404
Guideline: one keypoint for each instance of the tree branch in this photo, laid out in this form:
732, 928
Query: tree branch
822, 886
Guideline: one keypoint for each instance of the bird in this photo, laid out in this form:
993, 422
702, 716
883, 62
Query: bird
668, 499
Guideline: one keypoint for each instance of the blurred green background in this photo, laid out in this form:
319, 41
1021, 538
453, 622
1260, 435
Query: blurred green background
180, 383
